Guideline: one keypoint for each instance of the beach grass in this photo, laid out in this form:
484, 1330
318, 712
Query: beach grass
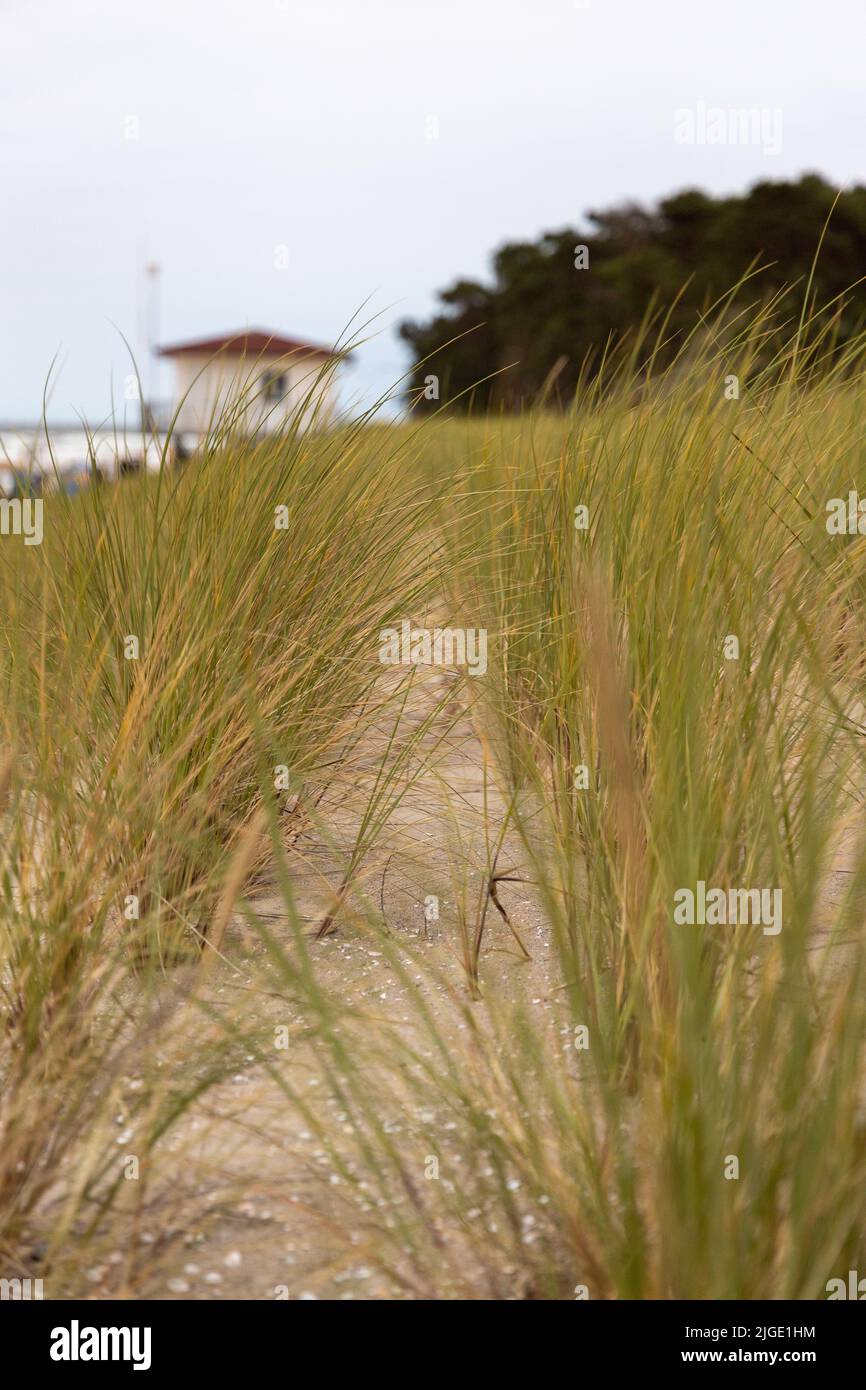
636, 1105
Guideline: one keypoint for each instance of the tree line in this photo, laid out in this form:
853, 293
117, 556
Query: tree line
554, 303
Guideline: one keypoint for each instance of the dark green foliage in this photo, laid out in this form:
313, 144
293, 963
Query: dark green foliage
542, 318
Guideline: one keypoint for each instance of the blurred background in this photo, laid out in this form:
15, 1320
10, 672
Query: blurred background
292, 164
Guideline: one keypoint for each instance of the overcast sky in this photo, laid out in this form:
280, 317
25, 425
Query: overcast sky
388, 145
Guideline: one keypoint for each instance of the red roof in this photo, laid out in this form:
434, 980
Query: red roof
252, 342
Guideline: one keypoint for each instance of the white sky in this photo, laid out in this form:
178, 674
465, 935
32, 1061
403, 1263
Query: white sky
303, 123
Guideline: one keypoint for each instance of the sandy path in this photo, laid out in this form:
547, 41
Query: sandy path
231, 1199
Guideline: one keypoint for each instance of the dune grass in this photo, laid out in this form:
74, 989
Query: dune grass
177, 643
673, 696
